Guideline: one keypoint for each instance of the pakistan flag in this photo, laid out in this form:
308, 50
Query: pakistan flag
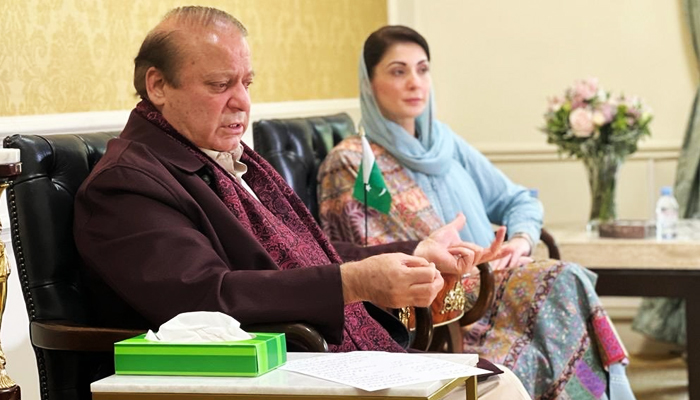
370, 186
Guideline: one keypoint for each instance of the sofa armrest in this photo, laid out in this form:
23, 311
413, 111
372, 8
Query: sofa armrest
487, 293
68, 336
300, 336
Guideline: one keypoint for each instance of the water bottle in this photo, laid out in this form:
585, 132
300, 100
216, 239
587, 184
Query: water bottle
666, 215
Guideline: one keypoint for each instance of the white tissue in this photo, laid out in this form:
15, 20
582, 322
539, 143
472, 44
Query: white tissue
199, 327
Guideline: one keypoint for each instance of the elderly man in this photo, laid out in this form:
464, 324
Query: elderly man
180, 215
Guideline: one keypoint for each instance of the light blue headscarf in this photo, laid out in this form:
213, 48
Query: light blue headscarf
426, 154
454, 176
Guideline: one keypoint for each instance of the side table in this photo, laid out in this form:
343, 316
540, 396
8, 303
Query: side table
276, 385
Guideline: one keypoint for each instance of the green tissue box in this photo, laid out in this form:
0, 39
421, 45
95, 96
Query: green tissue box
253, 357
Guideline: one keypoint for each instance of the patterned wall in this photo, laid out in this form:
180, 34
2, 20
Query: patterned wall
59, 56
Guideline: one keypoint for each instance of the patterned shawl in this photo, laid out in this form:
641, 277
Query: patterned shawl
411, 216
284, 226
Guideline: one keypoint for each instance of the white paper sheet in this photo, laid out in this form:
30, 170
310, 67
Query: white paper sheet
376, 370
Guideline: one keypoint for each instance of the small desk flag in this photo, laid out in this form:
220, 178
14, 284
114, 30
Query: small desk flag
370, 188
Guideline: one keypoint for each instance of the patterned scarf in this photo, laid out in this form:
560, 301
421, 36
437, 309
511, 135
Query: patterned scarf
283, 225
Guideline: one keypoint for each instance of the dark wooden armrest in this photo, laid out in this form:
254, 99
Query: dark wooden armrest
424, 329
487, 292
551, 244
67, 336
300, 336
420, 326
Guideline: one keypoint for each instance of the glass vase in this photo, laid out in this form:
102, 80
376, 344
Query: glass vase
602, 178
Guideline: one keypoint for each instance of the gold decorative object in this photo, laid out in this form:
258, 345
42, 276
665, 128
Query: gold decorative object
5, 381
8, 388
454, 299
404, 315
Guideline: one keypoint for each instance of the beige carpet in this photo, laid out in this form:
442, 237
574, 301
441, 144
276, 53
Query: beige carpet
658, 377
656, 370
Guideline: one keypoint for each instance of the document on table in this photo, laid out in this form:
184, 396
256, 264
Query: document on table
376, 370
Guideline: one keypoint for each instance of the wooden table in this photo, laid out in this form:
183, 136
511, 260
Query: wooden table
643, 267
277, 385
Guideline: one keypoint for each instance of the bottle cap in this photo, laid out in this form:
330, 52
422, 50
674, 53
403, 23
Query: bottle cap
666, 190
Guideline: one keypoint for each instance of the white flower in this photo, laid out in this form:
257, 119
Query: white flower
602, 96
555, 103
599, 118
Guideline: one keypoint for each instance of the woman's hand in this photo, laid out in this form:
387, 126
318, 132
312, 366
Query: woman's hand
514, 254
451, 255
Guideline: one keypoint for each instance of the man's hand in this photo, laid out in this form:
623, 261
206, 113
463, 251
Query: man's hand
391, 280
451, 255
515, 253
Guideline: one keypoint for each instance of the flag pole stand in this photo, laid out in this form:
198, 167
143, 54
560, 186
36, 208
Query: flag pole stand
366, 230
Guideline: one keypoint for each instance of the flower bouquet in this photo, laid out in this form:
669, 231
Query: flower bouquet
601, 129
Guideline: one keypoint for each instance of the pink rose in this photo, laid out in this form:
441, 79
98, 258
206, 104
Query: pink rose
586, 89
581, 120
577, 102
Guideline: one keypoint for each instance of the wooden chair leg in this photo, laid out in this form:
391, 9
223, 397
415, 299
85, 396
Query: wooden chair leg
440, 339
455, 338
447, 339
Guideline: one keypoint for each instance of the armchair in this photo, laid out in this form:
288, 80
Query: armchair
71, 351
296, 147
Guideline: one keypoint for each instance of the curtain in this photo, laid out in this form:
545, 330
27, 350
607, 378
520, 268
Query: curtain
664, 319
687, 178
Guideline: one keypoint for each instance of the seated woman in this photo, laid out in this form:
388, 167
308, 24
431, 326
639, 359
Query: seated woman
547, 323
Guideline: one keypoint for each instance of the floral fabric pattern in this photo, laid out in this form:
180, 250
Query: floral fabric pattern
546, 324
342, 218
